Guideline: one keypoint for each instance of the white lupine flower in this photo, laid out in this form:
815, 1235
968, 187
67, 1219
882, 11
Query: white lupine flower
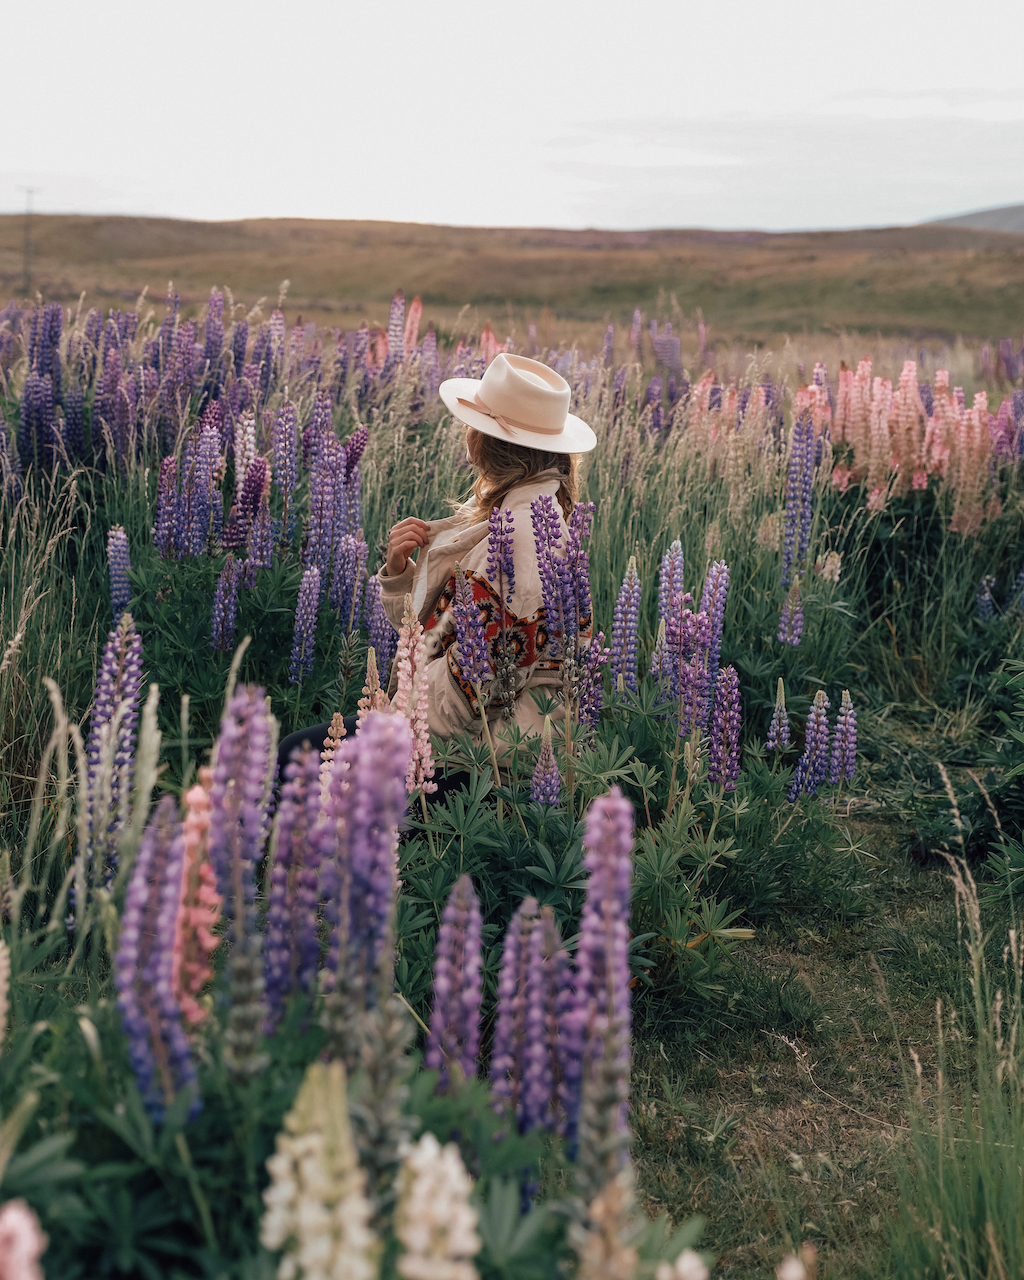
22, 1243
434, 1219
688, 1266
791, 1268
316, 1208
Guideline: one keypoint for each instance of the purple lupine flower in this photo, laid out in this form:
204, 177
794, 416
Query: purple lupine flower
844, 742
602, 956
239, 343
608, 346
791, 618
166, 504
37, 441
158, 1048
577, 562
396, 330
247, 505
225, 606
455, 1018
549, 998
350, 557
306, 610
286, 465
684, 667
546, 784
322, 515
625, 626
198, 511
547, 537
724, 736
508, 1051
636, 332
590, 691
986, 605
358, 841
112, 736
319, 431
799, 480
119, 564
292, 945
670, 580
778, 729
813, 766
470, 633
74, 420
712, 602
653, 398
214, 336
261, 533
382, 636
501, 564
349, 506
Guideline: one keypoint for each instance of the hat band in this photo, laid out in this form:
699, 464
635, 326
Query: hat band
509, 424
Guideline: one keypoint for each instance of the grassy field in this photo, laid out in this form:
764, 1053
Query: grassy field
928, 282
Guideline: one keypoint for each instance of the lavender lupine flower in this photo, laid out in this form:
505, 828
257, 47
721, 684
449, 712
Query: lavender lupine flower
306, 610
577, 562
74, 420
396, 329
37, 441
670, 580
261, 532
501, 565
225, 606
455, 1019
214, 337
119, 564
712, 602
986, 605
791, 618
382, 636
546, 784
239, 343
470, 633
350, 557
684, 666
286, 465
323, 482
547, 537
292, 945
724, 736
198, 511
247, 505
111, 749
508, 1051
813, 766
799, 482
166, 504
358, 842
549, 997
349, 494
624, 630
590, 688
157, 1045
608, 346
601, 1002
237, 838
778, 729
319, 431
844, 742
653, 398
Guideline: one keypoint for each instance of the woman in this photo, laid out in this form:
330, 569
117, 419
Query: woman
524, 443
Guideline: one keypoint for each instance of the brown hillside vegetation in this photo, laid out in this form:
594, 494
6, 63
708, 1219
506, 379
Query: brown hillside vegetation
927, 281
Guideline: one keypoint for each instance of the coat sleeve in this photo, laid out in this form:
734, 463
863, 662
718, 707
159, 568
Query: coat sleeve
393, 592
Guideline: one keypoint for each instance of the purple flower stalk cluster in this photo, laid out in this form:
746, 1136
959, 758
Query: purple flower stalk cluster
286, 465
501, 564
158, 1048
564, 573
844, 742
44, 334
546, 784
712, 602
724, 735
470, 633
198, 510
37, 430
812, 768
455, 1019
601, 1003
670, 580
306, 611
590, 687
323, 503
778, 729
625, 627
119, 564
225, 606
350, 557
799, 494
687, 655
250, 500
358, 843
291, 945
508, 1050
382, 635
111, 749
791, 618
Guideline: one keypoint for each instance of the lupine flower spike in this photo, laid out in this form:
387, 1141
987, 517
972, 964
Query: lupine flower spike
225, 606
844, 742
435, 1221
304, 642
374, 698
117, 559
813, 766
712, 602
411, 699
624, 631
791, 619
510, 1039
199, 912
778, 729
455, 1020
546, 784
548, 999
724, 736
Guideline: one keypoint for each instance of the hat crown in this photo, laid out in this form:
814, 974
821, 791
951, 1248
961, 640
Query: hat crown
527, 391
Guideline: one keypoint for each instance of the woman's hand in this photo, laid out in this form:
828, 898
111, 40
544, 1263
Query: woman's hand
403, 540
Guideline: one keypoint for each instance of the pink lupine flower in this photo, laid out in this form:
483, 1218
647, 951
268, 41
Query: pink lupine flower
194, 939
920, 480
841, 478
22, 1243
374, 698
876, 499
411, 699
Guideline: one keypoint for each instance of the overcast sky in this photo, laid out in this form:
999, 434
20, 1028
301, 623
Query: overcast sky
611, 113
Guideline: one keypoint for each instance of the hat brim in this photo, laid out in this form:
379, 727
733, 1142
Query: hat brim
575, 436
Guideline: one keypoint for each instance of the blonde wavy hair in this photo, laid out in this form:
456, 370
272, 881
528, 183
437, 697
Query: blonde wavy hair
504, 465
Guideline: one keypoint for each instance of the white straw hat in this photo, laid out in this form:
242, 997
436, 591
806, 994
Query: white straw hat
522, 401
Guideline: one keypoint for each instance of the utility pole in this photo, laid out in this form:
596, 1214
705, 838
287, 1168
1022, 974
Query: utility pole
26, 273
